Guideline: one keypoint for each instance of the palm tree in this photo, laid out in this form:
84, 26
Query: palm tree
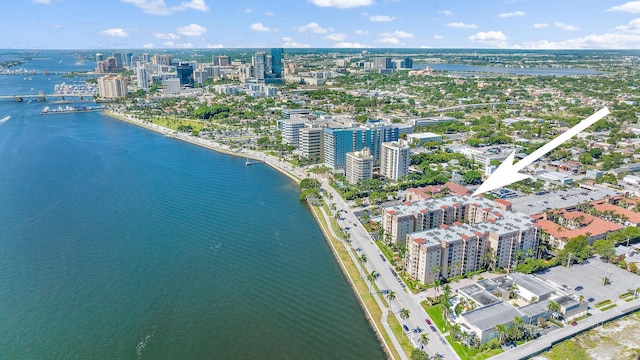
391, 295
554, 308
502, 331
372, 278
363, 257
404, 314
424, 339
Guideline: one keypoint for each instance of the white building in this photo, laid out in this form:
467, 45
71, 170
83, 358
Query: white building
143, 78
171, 86
291, 131
424, 137
556, 178
395, 159
311, 141
359, 166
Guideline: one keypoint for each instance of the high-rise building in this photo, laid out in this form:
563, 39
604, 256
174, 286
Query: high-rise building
112, 86
291, 131
128, 57
382, 62
112, 63
359, 166
395, 159
146, 57
407, 63
102, 67
120, 59
162, 59
185, 74
143, 78
259, 62
311, 143
339, 141
223, 60
99, 57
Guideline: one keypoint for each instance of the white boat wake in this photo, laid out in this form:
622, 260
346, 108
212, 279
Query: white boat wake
4, 119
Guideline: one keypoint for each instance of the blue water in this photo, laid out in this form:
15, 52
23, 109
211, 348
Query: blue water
119, 243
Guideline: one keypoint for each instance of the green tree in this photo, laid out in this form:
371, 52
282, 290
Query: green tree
372, 278
605, 248
391, 295
404, 315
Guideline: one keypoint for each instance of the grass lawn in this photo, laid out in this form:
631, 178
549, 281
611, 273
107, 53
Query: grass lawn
608, 307
173, 124
361, 286
567, 350
435, 313
401, 335
475, 354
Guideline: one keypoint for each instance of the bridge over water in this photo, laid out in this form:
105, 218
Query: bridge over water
45, 97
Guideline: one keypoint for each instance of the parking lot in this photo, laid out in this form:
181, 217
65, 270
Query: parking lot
534, 204
590, 276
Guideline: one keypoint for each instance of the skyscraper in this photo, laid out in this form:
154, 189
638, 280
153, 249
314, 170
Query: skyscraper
185, 74
99, 57
395, 159
143, 78
259, 65
120, 59
276, 62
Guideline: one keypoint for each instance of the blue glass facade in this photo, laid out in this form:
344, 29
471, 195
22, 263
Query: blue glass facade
338, 142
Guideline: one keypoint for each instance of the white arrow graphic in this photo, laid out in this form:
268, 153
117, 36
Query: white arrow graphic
508, 172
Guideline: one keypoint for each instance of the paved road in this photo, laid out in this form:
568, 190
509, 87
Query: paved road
387, 281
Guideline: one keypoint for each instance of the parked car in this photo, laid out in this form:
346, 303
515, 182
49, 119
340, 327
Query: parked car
428, 321
432, 328
574, 323
406, 328
579, 288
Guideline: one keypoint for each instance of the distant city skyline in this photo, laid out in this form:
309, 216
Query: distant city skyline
184, 24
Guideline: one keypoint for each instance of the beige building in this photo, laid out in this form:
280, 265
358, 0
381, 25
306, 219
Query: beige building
462, 230
395, 159
112, 86
359, 166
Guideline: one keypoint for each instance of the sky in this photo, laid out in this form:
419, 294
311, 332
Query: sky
180, 24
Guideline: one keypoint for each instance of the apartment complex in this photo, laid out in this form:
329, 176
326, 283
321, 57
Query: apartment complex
339, 141
450, 236
359, 166
112, 86
311, 143
395, 159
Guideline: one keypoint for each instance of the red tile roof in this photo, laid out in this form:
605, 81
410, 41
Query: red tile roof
633, 216
503, 202
458, 189
590, 224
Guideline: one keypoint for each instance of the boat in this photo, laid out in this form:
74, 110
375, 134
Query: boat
70, 109
5, 119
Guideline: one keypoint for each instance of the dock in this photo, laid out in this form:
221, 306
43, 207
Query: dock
250, 162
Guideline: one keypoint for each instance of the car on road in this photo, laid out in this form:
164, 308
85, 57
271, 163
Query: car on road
574, 323
382, 257
591, 300
428, 321
406, 328
579, 288
432, 328
442, 340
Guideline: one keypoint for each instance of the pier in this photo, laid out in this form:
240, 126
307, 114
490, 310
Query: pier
45, 97
250, 162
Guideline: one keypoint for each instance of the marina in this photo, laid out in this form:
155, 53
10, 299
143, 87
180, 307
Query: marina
69, 109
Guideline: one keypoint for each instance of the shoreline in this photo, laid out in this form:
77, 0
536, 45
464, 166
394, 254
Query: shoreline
273, 163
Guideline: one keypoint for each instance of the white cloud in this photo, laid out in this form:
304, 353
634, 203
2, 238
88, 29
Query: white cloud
362, 32
438, 37
351, 45
461, 25
566, 27
389, 40
314, 28
168, 36
629, 7
215, 46
446, 12
191, 30
382, 18
539, 25
187, 45
269, 13
342, 4
261, 28
601, 41
249, 10
290, 43
168, 44
634, 25
399, 34
56, 26
159, 7
115, 32
148, 46
490, 38
43, 2
425, 47
336, 37
512, 14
